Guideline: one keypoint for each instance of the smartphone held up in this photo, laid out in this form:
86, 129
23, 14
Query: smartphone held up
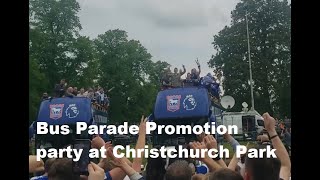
81, 166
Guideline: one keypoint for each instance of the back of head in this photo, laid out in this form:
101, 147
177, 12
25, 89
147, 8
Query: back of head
178, 170
262, 168
155, 168
61, 169
225, 174
198, 177
48, 164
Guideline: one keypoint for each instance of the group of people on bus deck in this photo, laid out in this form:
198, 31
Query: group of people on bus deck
173, 80
98, 95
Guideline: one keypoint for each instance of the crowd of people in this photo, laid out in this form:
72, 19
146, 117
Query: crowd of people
285, 134
173, 80
112, 168
97, 95
244, 168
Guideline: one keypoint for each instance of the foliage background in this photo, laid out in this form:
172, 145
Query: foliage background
57, 50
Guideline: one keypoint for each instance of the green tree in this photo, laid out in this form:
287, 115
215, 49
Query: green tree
37, 86
126, 65
269, 28
56, 51
55, 40
86, 64
156, 71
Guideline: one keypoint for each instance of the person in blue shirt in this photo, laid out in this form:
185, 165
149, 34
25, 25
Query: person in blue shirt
209, 82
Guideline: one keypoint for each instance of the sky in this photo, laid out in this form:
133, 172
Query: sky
176, 31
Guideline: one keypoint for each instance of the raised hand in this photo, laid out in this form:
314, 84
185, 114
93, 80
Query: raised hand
142, 126
118, 162
97, 142
95, 172
210, 142
201, 136
108, 144
197, 61
269, 122
199, 146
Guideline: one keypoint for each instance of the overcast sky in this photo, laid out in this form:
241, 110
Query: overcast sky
176, 31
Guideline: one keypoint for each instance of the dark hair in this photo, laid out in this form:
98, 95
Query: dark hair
243, 159
48, 164
263, 168
61, 169
238, 169
198, 176
189, 160
225, 174
178, 170
155, 168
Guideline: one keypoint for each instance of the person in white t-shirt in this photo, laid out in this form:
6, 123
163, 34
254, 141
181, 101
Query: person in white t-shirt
102, 97
81, 93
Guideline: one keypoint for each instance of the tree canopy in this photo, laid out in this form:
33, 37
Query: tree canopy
58, 51
269, 25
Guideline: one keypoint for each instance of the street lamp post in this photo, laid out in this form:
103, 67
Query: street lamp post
249, 56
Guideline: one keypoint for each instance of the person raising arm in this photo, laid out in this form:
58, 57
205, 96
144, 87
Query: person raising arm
121, 163
136, 164
199, 69
281, 151
212, 164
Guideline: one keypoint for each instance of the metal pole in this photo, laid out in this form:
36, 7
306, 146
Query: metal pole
249, 56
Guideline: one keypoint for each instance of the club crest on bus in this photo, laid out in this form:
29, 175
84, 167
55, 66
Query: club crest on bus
72, 111
173, 103
56, 111
189, 103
